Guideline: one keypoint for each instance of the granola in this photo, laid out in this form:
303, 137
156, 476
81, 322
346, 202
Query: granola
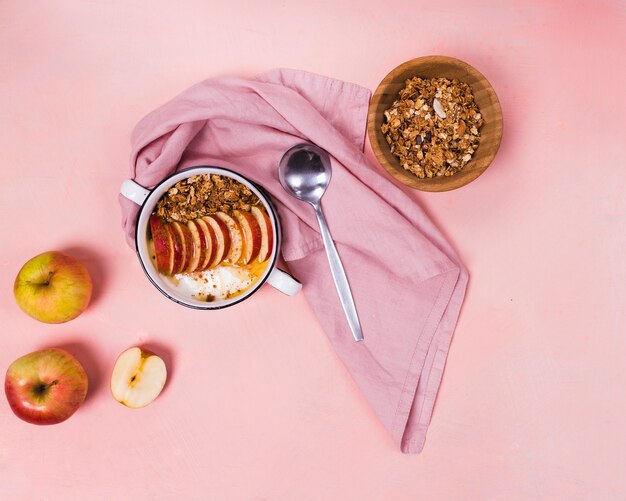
433, 127
204, 194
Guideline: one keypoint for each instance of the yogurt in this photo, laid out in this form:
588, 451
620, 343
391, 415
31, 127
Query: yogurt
222, 282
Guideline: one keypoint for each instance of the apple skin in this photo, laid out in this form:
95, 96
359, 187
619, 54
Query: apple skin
163, 245
53, 288
45, 387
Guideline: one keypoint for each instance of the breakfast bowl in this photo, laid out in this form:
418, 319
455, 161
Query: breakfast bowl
210, 261
428, 67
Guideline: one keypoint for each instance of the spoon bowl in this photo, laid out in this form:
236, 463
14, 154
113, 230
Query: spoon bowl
305, 172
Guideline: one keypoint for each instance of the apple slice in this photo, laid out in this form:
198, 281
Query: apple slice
178, 247
200, 246
267, 235
163, 246
222, 237
186, 244
191, 257
251, 236
236, 237
138, 377
208, 240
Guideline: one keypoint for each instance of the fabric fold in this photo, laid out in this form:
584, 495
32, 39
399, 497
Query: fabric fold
407, 282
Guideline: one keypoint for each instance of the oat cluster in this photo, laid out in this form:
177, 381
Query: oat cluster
204, 194
433, 127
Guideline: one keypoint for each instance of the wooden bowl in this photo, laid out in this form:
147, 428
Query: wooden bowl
436, 67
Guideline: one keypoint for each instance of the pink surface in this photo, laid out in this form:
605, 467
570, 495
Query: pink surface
407, 333
258, 405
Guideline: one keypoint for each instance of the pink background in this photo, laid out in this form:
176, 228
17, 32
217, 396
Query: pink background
257, 406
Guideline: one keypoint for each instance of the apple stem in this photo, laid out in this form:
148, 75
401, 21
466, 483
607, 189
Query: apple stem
50, 275
41, 388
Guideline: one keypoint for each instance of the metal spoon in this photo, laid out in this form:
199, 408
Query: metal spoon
305, 171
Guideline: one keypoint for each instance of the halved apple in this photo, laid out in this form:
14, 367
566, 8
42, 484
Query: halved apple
222, 236
207, 238
178, 246
163, 246
236, 237
251, 236
267, 235
138, 377
200, 246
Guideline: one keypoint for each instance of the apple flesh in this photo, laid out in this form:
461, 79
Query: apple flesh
53, 287
208, 240
251, 236
184, 251
200, 245
178, 248
236, 237
45, 387
267, 235
192, 252
138, 377
222, 237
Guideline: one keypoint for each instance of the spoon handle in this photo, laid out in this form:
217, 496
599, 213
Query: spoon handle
339, 276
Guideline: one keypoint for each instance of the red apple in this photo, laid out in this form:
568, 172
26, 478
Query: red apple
163, 245
222, 237
138, 377
53, 287
236, 237
208, 240
267, 235
45, 387
251, 236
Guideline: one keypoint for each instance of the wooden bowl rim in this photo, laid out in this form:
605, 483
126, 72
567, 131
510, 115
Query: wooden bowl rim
377, 142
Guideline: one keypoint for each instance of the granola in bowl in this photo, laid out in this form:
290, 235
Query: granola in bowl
433, 127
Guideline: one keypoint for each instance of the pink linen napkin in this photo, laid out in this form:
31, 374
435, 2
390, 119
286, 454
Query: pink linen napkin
407, 282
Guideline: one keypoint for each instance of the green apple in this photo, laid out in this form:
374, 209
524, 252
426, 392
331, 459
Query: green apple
45, 387
53, 287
